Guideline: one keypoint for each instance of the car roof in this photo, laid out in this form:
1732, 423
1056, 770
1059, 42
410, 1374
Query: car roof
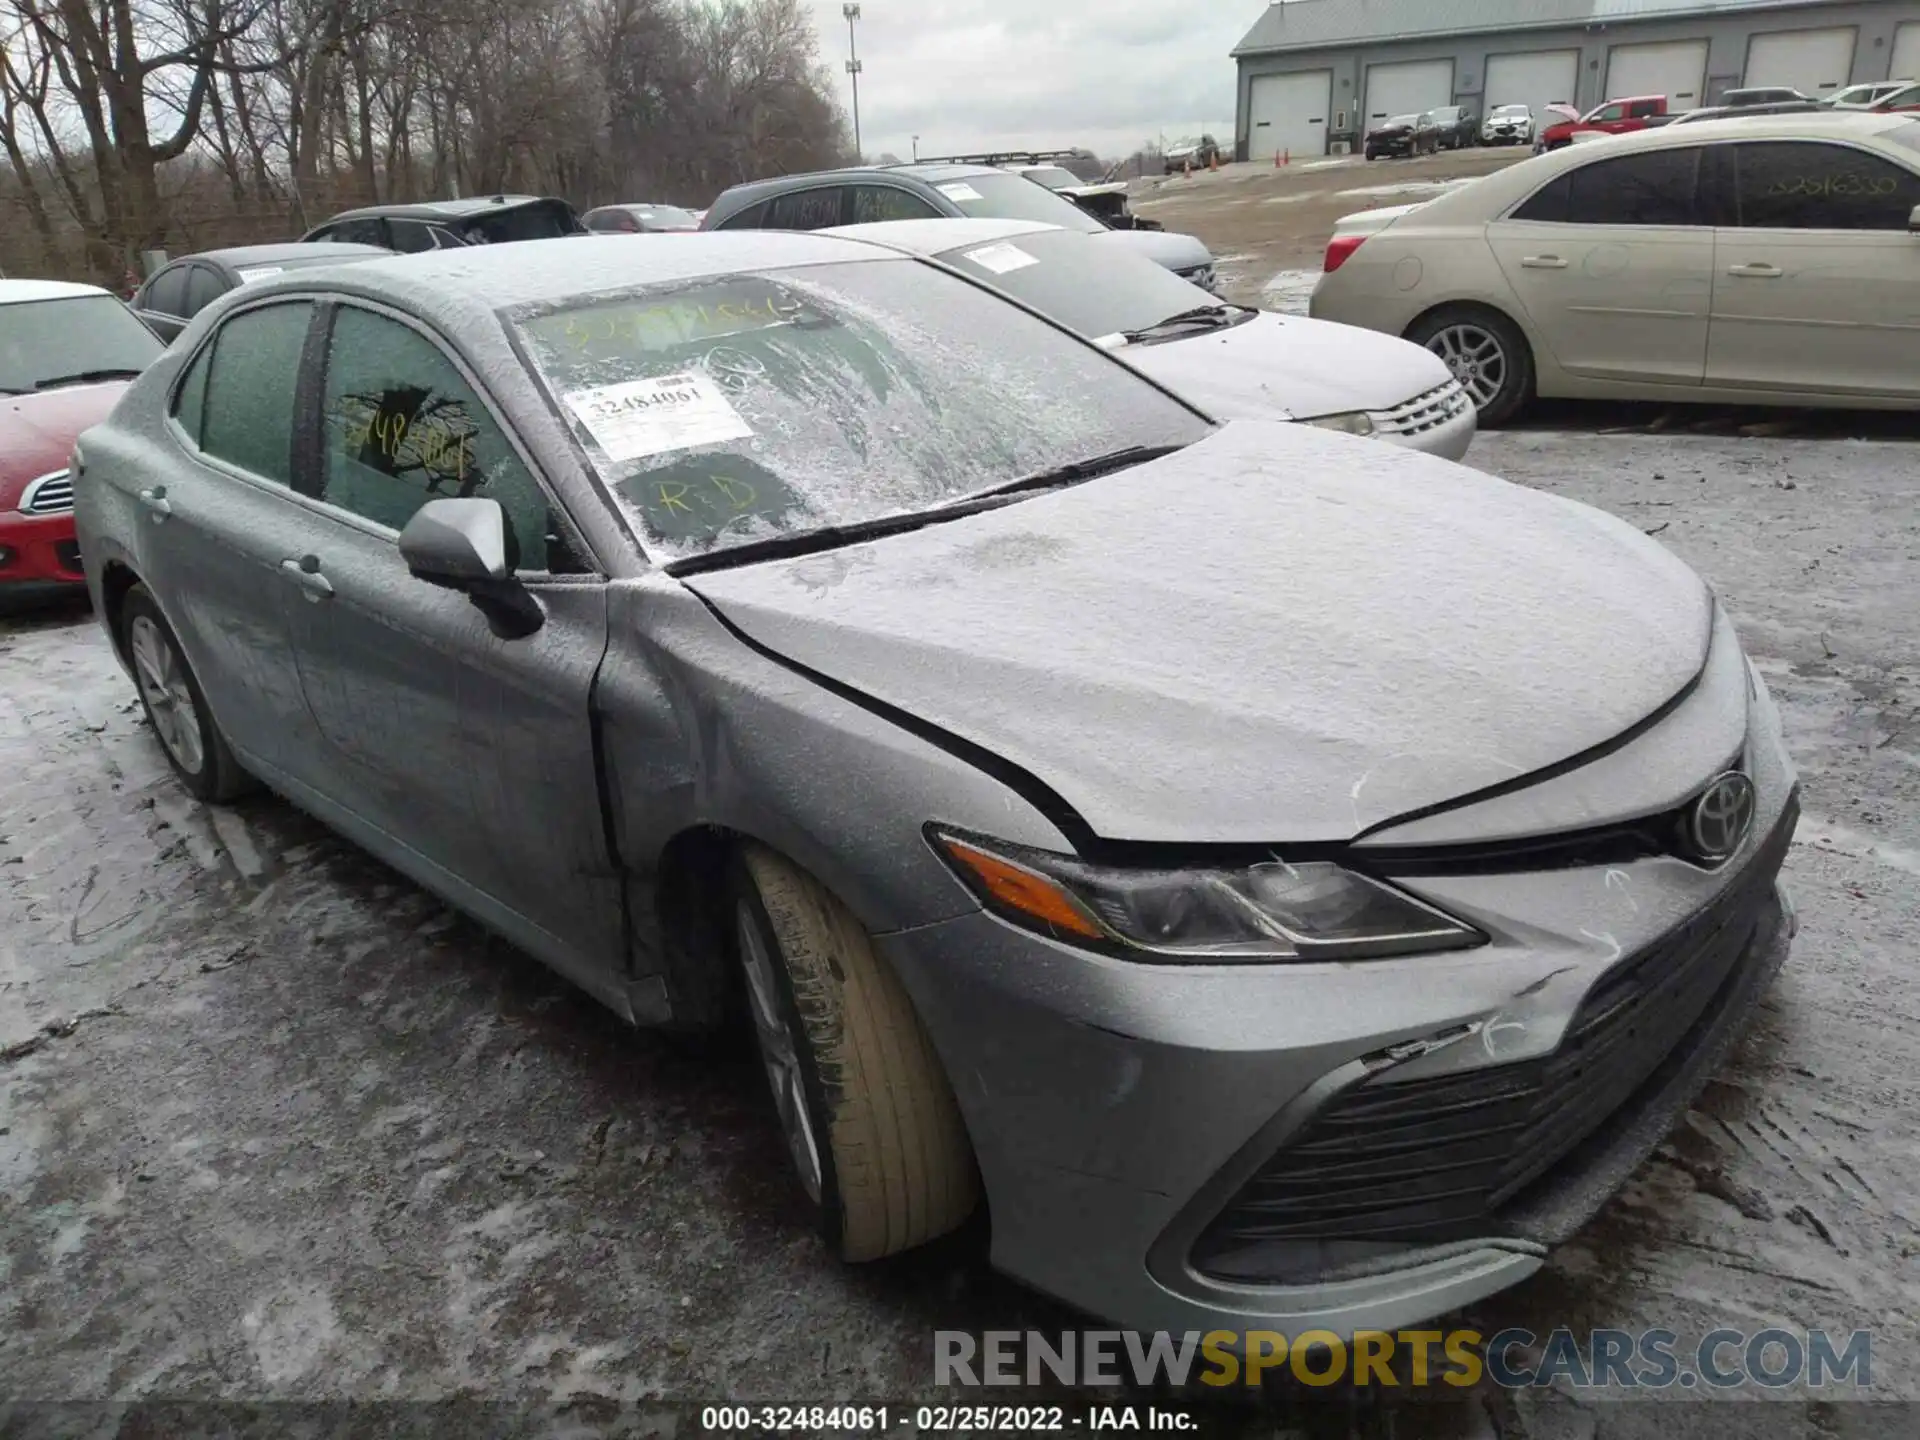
18, 292
936, 237
459, 287
287, 252
445, 209
1798, 125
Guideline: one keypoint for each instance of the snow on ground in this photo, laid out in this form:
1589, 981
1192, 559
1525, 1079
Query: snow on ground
1289, 291
274, 1124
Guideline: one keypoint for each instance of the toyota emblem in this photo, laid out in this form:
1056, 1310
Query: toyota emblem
1719, 820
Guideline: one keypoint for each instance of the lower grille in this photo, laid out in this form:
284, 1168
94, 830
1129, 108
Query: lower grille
1432, 1160
1437, 407
67, 552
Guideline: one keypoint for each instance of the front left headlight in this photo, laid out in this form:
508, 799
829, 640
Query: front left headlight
1354, 422
1310, 911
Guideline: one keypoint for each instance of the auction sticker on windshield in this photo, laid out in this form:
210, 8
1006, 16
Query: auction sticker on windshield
960, 190
1002, 258
660, 413
259, 272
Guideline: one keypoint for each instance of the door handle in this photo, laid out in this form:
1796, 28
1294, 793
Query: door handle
1757, 271
1543, 262
155, 500
305, 572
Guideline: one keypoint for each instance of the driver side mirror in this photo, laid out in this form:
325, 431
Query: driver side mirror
467, 544
1913, 221
457, 542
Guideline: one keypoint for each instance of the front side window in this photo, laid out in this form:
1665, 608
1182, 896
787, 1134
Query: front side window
872, 203
997, 195
754, 217
251, 381
1794, 185
1654, 188
366, 231
403, 427
410, 237
1641, 109
1609, 112
740, 408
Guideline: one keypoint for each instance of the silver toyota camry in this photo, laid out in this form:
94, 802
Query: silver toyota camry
1293, 880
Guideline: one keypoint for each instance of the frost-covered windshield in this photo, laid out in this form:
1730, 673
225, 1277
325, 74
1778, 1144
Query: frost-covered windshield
740, 408
48, 343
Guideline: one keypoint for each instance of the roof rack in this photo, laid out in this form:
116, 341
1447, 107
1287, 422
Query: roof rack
1022, 157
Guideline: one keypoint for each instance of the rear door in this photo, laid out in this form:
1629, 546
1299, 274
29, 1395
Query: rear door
1613, 263
1817, 276
472, 751
212, 522
162, 301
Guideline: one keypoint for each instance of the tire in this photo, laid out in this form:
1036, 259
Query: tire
175, 706
1486, 353
870, 1121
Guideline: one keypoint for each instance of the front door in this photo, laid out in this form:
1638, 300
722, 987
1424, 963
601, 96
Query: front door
1614, 265
473, 751
1817, 276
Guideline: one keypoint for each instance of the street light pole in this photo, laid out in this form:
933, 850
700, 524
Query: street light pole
852, 12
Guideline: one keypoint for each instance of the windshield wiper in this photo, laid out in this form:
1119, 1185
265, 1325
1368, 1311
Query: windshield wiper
84, 377
832, 537
1209, 317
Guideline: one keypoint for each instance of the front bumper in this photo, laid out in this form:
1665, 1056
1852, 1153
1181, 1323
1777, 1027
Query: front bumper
1119, 1110
39, 550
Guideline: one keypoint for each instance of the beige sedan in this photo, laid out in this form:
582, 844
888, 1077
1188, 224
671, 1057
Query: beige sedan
1770, 260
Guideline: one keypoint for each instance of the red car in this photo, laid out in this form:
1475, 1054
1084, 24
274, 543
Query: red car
66, 353
1616, 117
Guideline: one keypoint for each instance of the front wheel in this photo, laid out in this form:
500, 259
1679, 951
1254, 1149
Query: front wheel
870, 1122
1486, 353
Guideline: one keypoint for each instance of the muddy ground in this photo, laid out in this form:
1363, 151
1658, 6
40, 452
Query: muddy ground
274, 1124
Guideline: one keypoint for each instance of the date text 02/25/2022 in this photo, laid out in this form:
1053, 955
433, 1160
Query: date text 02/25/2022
941, 1419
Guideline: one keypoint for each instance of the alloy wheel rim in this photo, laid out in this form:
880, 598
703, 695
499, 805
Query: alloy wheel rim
1476, 358
163, 685
778, 1054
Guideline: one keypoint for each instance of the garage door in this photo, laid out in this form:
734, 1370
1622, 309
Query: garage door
1676, 69
1814, 62
1906, 52
1536, 80
1407, 88
1288, 112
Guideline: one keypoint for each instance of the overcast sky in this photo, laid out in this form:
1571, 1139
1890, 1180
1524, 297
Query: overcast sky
973, 75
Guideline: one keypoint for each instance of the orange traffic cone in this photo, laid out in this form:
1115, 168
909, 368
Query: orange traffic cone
1213, 161
1286, 157
1186, 169
1276, 159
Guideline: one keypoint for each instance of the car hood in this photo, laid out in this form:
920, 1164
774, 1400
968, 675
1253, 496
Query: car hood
1275, 635
1282, 367
1163, 247
1089, 192
37, 431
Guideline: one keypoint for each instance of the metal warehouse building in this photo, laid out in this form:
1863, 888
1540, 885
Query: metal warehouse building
1315, 73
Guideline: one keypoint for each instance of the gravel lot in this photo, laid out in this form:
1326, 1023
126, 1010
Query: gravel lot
274, 1124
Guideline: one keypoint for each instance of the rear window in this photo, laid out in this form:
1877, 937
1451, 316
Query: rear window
1002, 196
1089, 285
738, 408
548, 220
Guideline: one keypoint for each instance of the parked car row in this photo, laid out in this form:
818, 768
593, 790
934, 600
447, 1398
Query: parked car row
1753, 260
1450, 127
1094, 805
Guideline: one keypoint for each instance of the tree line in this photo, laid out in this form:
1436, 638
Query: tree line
134, 125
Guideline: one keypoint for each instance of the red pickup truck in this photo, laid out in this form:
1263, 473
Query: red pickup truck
1616, 117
